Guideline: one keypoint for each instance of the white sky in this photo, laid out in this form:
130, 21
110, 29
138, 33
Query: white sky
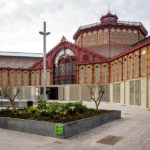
21, 20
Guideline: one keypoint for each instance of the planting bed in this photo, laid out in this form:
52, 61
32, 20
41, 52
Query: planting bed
56, 119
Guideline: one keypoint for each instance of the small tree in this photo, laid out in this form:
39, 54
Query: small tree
96, 93
10, 93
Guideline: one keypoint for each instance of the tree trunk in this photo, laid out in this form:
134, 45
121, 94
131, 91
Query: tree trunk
96, 106
13, 106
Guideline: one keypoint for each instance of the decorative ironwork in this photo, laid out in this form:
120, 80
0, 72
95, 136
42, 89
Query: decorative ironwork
65, 67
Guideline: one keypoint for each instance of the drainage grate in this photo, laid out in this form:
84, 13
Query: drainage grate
109, 140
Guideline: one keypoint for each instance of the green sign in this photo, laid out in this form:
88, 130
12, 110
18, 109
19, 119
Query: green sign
59, 129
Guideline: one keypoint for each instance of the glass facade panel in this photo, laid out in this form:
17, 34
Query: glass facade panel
32, 78
130, 67
143, 63
119, 70
112, 72
12, 78
136, 65
88, 74
94, 38
47, 77
37, 78
19, 78
118, 36
112, 35
25, 78
125, 68
135, 37
97, 73
84, 39
65, 68
124, 36
115, 71
89, 38
104, 73
4, 78
129, 37
106, 36
100, 36
81, 75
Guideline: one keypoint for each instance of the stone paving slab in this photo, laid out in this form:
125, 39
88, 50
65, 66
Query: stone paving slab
134, 128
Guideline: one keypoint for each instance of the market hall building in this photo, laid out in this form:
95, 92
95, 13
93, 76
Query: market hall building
112, 52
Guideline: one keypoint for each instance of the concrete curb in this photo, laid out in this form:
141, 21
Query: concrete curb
48, 128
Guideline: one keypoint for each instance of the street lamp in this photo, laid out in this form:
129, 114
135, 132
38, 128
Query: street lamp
44, 58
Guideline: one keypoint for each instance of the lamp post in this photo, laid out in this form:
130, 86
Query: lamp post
44, 33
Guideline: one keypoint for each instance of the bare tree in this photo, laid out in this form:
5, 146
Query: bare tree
11, 93
96, 93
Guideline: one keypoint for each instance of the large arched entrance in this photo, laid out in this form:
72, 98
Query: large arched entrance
64, 67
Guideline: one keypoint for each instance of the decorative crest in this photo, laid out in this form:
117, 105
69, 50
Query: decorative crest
63, 39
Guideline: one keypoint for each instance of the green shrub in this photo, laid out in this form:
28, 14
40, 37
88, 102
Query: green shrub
76, 107
42, 105
33, 109
5, 111
55, 107
58, 110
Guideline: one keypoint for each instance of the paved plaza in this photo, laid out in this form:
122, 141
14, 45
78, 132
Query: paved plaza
133, 131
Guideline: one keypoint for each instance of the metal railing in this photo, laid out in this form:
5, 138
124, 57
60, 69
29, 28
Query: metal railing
129, 23
89, 25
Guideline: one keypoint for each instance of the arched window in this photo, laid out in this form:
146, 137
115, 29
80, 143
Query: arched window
37, 78
94, 37
143, 63
88, 75
125, 68
97, 74
4, 78
129, 36
135, 36
47, 77
89, 38
106, 35
65, 67
115, 71
82, 75
112, 35
12, 78
136, 65
124, 36
26, 78
32, 78
84, 39
100, 36
119, 70
104, 73
118, 35
19, 78
112, 70
130, 67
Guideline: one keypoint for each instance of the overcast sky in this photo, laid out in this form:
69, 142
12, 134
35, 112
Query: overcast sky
21, 20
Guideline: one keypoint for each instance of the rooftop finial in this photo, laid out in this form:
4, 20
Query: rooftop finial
63, 39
